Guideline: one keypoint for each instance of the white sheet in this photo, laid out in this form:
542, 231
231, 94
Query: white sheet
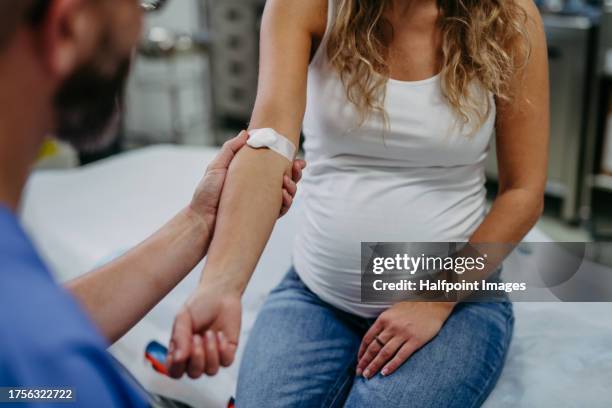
561, 354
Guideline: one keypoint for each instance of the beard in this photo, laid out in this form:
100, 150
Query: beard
88, 106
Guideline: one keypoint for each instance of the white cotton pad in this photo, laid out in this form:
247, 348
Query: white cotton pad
271, 139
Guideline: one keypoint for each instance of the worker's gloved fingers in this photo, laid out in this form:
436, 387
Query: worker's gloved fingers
212, 353
196, 364
181, 344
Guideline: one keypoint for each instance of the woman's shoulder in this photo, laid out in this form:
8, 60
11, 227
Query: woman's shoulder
310, 15
529, 6
533, 14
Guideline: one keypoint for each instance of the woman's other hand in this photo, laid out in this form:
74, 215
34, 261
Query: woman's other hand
397, 334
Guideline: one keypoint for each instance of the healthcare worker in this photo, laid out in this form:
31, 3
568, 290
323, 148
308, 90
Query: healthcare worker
63, 65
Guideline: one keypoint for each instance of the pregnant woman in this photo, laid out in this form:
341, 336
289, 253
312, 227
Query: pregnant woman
398, 101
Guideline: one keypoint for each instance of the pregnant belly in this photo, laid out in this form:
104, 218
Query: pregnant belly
340, 214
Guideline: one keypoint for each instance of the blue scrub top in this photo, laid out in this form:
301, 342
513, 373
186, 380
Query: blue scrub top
45, 338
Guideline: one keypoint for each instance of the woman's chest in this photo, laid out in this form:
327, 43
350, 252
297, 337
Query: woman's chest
420, 127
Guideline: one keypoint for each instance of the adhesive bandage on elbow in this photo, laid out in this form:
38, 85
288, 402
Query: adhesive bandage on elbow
271, 139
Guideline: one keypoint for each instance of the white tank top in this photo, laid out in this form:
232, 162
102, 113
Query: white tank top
419, 180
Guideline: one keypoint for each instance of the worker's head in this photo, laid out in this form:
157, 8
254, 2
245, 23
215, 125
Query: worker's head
77, 53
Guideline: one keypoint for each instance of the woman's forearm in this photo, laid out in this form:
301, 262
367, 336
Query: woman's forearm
249, 207
119, 294
513, 214
252, 193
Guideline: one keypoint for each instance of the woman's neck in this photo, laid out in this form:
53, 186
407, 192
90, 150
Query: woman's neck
411, 15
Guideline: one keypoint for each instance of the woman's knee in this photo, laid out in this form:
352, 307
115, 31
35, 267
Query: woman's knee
401, 389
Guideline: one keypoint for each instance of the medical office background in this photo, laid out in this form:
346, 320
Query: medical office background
195, 76
193, 86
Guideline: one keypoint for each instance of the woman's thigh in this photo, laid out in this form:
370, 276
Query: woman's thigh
458, 368
301, 352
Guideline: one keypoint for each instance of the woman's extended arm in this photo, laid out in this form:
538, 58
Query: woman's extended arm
522, 152
252, 191
251, 196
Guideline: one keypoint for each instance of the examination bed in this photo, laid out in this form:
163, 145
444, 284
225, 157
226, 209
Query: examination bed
561, 355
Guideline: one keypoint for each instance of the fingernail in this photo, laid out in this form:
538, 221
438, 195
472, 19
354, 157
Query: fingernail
177, 355
359, 372
384, 371
210, 336
367, 373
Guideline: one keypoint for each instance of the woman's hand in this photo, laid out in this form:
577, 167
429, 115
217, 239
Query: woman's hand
205, 202
205, 333
398, 333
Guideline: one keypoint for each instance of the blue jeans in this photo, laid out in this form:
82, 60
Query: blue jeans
302, 353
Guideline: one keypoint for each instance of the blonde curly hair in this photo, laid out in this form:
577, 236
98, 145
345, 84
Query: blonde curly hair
482, 40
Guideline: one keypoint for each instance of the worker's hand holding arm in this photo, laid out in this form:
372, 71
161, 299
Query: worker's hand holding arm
207, 329
118, 295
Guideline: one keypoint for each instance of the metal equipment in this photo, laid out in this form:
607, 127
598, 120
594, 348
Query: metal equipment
234, 25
